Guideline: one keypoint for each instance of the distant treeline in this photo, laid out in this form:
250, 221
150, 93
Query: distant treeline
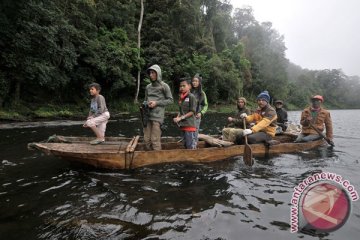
51, 50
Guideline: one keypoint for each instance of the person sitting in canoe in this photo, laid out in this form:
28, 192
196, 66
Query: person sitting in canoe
282, 117
265, 122
98, 114
235, 126
315, 117
186, 116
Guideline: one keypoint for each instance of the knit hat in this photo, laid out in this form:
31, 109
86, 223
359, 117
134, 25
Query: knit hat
264, 95
279, 101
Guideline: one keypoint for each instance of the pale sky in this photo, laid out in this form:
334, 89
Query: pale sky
319, 34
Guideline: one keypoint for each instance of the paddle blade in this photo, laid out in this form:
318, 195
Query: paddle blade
248, 159
331, 143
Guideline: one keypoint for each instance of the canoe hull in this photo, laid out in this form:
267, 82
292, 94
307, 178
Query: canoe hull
114, 156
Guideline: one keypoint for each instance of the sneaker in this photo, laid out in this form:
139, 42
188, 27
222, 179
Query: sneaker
97, 141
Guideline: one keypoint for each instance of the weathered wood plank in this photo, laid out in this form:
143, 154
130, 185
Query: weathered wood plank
116, 156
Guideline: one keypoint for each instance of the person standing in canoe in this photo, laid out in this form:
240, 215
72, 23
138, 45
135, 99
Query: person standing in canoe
186, 116
98, 114
318, 117
265, 122
236, 126
157, 97
282, 116
202, 103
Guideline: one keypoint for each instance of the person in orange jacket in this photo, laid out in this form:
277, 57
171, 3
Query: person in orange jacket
318, 117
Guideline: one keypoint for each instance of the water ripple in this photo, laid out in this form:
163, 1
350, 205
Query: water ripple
56, 187
221, 200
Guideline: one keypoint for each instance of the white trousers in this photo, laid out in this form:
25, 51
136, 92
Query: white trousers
99, 121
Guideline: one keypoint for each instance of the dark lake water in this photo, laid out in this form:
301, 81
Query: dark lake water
42, 197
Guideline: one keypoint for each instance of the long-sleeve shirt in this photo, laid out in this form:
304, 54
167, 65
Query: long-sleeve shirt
97, 106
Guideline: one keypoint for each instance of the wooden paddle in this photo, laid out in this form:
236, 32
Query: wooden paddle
248, 159
331, 143
134, 144
128, 147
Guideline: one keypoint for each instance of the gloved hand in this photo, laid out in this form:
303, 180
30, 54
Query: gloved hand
243, 115
307, 121
247, 131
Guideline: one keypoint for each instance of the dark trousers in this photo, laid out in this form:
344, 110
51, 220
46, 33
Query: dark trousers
259, 137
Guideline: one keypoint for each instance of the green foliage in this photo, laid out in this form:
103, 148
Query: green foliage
51, 50
220, 77
112, 58
11, 115
46, 113
55, 111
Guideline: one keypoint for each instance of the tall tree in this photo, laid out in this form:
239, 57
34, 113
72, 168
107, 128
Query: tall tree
49, 51
139, 47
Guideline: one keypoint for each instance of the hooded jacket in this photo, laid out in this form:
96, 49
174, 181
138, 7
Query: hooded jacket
159, 92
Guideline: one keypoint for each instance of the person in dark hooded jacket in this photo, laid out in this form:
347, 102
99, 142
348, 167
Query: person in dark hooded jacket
202, 103
282, 116
157, 97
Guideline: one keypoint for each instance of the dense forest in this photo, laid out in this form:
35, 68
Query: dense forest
51, 50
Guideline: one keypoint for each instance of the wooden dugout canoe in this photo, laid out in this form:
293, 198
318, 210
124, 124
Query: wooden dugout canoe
116, 152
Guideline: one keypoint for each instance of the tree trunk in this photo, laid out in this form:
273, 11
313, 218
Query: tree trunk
139, 47
17, 93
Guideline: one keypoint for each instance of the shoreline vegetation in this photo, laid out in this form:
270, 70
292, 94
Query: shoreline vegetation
23, 113
51, 52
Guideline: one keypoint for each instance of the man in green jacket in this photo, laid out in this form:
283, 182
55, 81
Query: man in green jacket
157, 96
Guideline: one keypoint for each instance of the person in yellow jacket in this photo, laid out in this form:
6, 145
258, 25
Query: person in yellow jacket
263, 121
318, 117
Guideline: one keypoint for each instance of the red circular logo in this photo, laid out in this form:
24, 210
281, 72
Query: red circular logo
325, 207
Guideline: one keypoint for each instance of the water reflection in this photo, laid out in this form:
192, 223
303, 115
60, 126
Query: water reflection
43, 197
148, 200
160, 199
